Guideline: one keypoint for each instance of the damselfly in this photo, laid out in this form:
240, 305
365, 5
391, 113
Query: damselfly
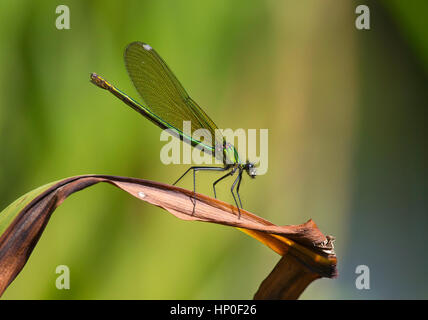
167, 104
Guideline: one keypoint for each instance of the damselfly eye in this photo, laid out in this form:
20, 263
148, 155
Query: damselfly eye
253, 172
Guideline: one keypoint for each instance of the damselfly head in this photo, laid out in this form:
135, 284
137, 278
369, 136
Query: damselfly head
251, 169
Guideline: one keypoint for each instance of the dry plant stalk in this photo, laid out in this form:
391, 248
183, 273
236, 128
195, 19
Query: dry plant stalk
306, 253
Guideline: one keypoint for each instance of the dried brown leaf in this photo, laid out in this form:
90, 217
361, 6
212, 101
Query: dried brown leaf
307, 253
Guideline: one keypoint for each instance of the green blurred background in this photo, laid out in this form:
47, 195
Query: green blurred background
345, 109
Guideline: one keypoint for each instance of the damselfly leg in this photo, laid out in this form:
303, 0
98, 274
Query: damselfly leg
198, 168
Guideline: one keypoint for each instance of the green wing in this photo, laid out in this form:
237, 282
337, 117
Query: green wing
163, 94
